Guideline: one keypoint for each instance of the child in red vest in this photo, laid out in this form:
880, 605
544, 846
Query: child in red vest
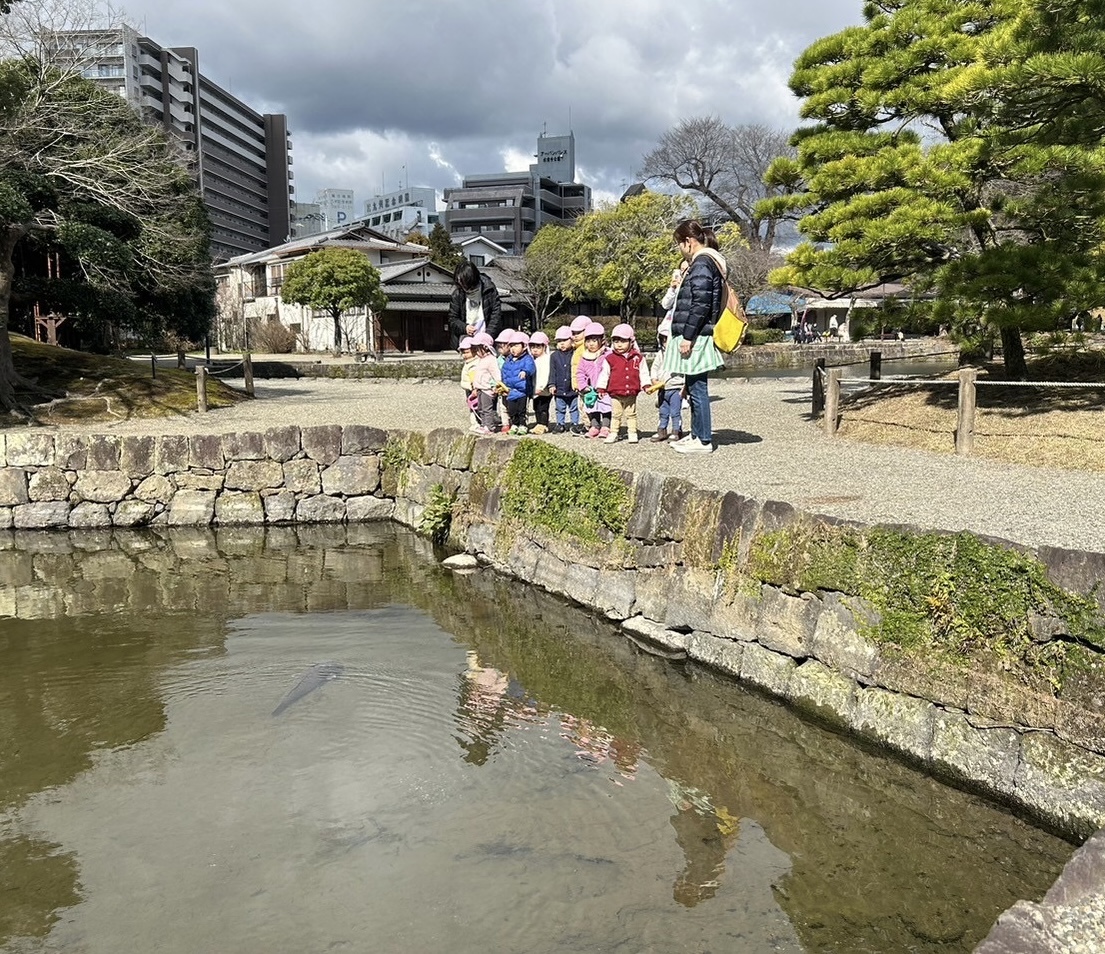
623, 378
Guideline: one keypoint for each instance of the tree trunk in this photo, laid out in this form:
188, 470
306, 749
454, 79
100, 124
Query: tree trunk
1012, 350
8, 239
337, 331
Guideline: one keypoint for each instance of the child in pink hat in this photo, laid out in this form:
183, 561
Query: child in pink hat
486, 380
624, 375
519, 372
563, 385
595, 400
467, 349
542, 395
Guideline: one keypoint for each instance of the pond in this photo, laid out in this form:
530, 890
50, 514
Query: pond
472, 766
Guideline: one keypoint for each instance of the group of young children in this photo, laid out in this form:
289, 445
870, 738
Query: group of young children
595, 387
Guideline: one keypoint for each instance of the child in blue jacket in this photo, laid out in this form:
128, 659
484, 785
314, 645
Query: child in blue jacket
519, 371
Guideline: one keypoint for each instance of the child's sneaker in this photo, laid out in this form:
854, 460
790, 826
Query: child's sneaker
580, 430
605, 433
632, 437
506, 429
484, 430
611, 437
539, 429
556, 428
521, 429
593, 432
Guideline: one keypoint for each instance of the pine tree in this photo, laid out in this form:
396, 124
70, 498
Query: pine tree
930, 161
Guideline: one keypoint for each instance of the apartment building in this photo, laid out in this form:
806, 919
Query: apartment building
509, 207
243, 159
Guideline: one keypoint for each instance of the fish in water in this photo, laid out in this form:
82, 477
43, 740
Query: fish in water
314, 677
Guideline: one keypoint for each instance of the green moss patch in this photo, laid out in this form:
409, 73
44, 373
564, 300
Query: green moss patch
952, 594
544, 486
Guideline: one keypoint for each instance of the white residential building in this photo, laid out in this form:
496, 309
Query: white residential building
403, 211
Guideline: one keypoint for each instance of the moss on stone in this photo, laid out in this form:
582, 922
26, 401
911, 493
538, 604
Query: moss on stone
545, 486
952, 594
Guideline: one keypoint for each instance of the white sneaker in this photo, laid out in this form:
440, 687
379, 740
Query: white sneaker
632, 437
685, 439
693, 447
611, 438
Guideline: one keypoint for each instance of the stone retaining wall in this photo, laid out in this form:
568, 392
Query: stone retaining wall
661, 581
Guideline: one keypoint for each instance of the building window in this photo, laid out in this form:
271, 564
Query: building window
477, 260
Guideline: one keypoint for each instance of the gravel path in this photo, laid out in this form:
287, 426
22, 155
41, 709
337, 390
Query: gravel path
766, 448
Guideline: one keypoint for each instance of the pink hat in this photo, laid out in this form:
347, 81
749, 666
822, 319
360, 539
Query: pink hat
579, 325
563, 333
519, 337
539, 337
504, 336
594, 330
622, 331
483, 340
465, 343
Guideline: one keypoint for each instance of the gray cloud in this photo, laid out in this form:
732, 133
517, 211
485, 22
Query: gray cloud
372, 85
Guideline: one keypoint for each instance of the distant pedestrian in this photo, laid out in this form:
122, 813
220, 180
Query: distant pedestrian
692, 352
475, 304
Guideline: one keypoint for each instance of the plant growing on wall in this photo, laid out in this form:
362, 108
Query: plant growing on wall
334, 280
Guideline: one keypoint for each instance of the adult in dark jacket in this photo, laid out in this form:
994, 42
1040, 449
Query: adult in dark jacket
475, 304
692, 353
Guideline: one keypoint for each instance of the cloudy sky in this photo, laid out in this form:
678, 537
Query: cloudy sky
447, 88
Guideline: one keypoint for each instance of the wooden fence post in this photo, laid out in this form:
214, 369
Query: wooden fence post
201, 389
153, 365
965, 416
832, 402
818, 387
247, 372
876, 366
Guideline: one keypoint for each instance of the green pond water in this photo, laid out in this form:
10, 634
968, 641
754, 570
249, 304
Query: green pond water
491, 770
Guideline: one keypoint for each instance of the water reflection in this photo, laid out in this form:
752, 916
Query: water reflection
491, 769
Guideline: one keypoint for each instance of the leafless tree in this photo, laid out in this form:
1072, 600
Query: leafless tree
63, 138
725, 165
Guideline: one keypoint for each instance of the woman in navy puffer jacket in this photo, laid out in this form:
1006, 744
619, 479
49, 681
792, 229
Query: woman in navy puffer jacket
692, 353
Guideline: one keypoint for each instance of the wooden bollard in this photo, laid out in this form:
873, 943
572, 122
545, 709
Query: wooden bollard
818, 387
247, 373
832, 401
201, 389
876, 366
153, 365
965, 416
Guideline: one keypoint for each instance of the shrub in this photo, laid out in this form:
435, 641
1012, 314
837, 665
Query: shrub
759, 336
271, 337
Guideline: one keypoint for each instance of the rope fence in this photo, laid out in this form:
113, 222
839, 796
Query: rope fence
827, 384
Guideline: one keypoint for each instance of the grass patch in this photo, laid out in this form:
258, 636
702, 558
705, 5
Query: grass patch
88, 388
544, 486
950, 594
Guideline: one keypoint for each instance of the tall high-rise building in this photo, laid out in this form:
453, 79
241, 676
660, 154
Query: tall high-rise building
509, 207
242, 158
